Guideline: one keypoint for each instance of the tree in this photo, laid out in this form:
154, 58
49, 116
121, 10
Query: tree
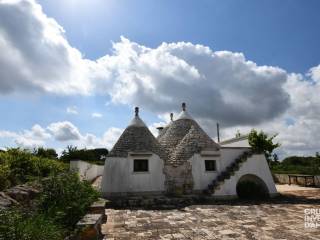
275, 158
45, 153
262, 143
91, 155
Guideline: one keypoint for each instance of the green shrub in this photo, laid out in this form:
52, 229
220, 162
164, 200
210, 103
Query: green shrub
19, 166
250, 190
4, 175
298, 165
15, 225
65, 198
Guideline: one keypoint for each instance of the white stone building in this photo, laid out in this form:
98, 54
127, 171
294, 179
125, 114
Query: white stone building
183, 159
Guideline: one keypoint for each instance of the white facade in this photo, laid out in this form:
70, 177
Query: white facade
191, 162
255, 165
201, 177
119, 177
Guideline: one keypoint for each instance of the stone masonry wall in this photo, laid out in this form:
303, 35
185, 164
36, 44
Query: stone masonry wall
179, 179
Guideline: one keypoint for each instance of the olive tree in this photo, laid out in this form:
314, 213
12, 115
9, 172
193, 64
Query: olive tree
262, 143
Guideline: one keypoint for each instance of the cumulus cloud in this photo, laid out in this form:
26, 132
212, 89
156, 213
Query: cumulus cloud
107, 140
64, 131
220, 86
28, 138
35, 56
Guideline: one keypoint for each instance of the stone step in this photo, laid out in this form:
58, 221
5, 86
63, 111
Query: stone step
230, 171
89, 227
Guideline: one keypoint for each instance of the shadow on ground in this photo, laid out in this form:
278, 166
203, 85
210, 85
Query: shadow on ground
309, 197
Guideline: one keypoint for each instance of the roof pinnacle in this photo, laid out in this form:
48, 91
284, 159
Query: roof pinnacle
171, 116
136, 110
184, 106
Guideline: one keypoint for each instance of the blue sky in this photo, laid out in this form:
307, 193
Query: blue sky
282, 35
269, 32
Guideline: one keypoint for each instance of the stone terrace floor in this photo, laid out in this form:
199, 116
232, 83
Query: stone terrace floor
281, 218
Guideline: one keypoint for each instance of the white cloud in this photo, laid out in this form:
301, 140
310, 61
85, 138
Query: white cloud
96, 115
58, 133
64, 131
28, 138
220, 86
108, 139
72, 110
36, 43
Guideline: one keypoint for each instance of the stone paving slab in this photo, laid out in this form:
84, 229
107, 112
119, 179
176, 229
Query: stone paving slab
269, 220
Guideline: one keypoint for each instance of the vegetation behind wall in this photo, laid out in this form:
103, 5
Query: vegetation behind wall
298, 165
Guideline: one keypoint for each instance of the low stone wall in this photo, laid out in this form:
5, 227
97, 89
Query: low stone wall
87, 171
284, 179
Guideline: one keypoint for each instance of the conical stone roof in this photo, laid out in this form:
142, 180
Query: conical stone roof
164, 130
177, 142
184, 138
136, 138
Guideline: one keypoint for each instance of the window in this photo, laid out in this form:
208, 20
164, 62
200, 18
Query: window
210, 165
140, 165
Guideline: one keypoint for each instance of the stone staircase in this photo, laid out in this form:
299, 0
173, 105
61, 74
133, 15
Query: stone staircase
227, 173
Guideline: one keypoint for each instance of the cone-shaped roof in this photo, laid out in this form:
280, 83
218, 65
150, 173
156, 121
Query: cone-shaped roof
193, 142
177, 142
136, 138
163, 131
183, 138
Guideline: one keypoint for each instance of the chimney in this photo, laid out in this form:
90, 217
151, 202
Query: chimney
159, 130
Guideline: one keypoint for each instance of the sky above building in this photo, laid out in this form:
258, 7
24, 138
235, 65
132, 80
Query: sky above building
72, 71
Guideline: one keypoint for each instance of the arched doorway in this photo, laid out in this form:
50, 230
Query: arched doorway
251, 186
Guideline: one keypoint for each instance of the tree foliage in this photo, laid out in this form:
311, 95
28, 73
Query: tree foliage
90, 155
19, 166
45, 153
298, 165
262, 143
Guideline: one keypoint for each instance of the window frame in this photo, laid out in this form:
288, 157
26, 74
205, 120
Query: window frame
141, 171
210, 160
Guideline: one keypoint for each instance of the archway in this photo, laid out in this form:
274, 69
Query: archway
251, 186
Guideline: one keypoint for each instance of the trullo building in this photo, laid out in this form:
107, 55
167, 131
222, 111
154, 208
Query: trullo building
183, 159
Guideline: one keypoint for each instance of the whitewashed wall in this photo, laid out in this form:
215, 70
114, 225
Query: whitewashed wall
119, 178
86, 170
229, 154
255, 165
201, 178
